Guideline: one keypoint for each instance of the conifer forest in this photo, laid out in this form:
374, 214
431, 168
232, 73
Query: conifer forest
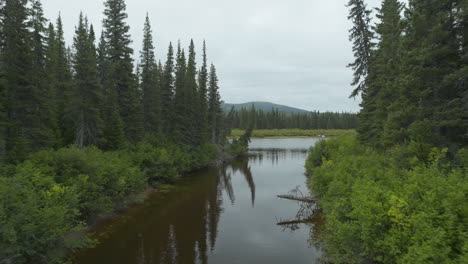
115, 155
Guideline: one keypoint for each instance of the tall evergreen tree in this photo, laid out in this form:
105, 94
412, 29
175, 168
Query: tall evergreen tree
86, 98
361, 36
383, 75
181, 125
149, 82
461, 77
120, 79
428, 92
113, 136
51, 79
50, 56
3, 95
45, 122
62, 86
203, 97
214, 107
192, 99
167, 91
21, 95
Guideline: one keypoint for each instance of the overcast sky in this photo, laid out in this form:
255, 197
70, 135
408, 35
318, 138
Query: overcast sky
291, 52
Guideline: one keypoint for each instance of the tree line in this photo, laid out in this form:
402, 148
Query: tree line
274, 119
411, 70
394, 194
93, 93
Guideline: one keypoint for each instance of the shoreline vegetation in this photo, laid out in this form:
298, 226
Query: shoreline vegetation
294, 133
397, 191
58, 196
390, 206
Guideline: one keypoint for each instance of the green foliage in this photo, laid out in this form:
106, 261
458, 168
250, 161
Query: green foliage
167, 91
101, 179
215, 118
47, 199
413, 83
380, 211
86, 97
119, 79
150, 82
361, 36
35, 214
240, 146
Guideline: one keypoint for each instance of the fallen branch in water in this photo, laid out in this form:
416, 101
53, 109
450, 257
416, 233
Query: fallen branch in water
299, 198
294, 222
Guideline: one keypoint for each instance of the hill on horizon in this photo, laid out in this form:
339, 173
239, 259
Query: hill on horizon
265, 106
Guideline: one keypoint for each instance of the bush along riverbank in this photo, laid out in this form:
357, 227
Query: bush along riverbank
46, 201
390, 207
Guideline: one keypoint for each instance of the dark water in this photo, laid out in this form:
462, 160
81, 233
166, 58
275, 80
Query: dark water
227, 215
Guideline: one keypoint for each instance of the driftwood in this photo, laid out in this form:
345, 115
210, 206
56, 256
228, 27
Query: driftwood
299, 198
294, 222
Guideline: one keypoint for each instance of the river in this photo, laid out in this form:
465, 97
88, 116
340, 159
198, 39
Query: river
226, 215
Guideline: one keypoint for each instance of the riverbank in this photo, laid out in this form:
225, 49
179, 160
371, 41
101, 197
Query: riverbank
390, 207
55, 196
294, 133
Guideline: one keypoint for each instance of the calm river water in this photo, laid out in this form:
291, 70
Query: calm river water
226, 215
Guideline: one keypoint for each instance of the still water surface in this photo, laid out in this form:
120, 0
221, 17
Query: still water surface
226, 215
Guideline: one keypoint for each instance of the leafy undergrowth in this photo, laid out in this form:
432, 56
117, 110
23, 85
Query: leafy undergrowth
54, 195
390, 207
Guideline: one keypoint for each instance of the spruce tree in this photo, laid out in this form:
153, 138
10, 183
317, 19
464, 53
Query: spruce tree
44, 132
51, 79
3, 95
62, 86
167, 91
113, 136
461, 76
149, 82
214, 107
86, 98
203, 97
192, 99
21, 97
181, 124
428, 94
383, 75
51, 60
361, 36
120, 79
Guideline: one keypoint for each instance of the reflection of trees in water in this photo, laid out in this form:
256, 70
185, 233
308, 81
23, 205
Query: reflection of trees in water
226, 183
299, 153
182, 239
243, 167
257, 156
182, 225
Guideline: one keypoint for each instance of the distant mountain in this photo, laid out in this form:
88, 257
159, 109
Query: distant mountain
265, 106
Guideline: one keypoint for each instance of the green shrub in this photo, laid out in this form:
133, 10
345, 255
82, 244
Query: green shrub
380, 210
101, 179
35, 213
54, 193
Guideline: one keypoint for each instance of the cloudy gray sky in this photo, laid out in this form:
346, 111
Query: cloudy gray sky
290, 52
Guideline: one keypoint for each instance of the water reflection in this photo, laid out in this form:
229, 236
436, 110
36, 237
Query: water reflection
223, 215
